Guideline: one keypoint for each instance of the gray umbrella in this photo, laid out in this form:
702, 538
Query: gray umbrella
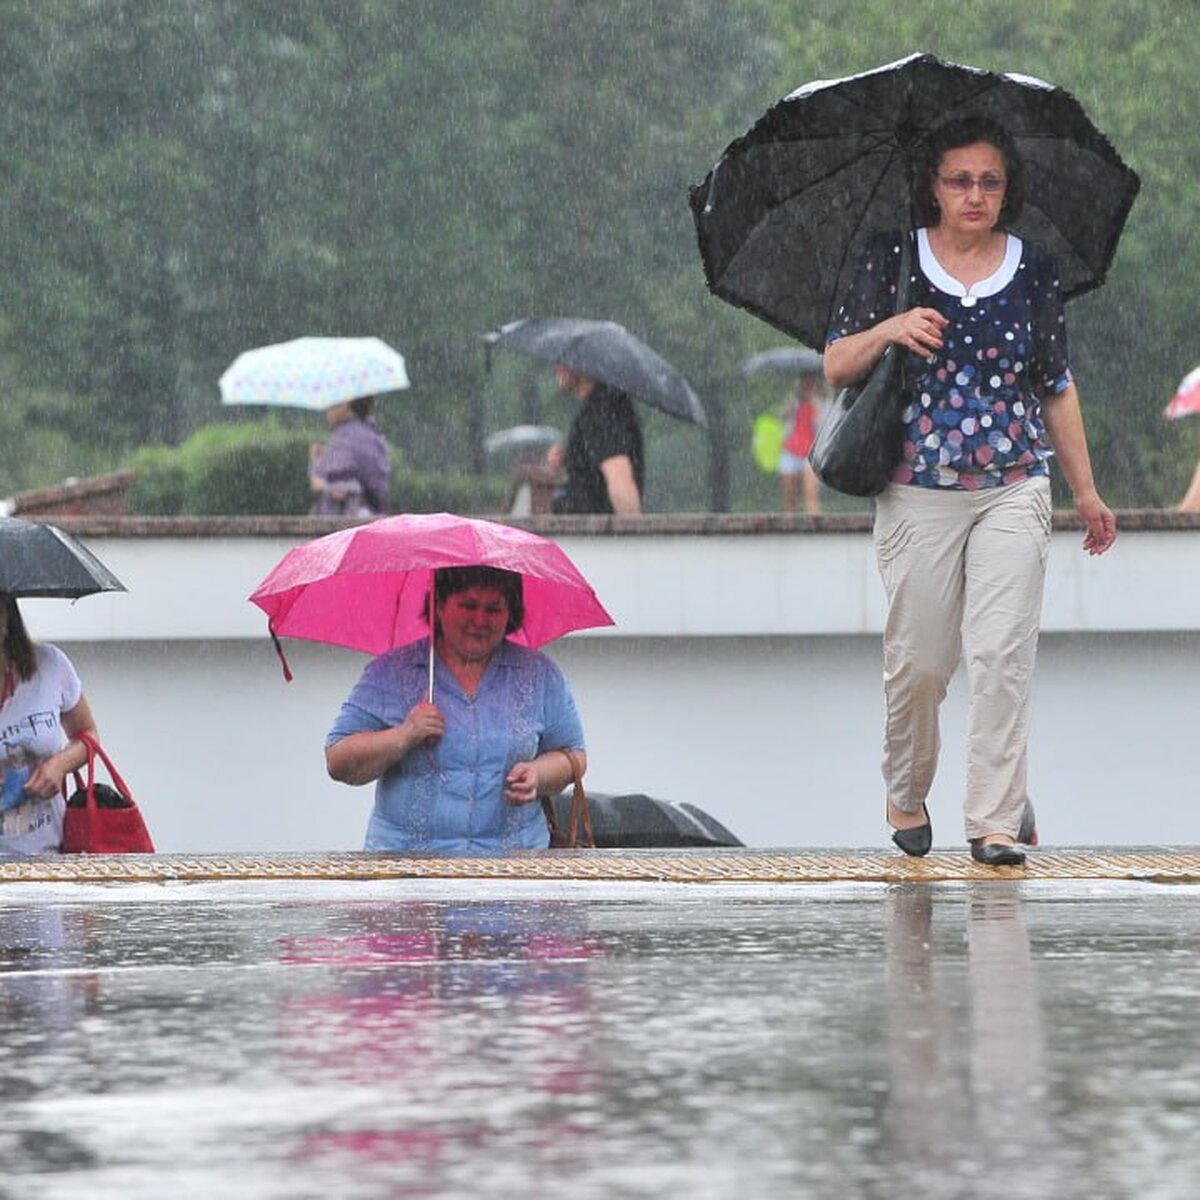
608, 353
41, 560
784, 360
522, 442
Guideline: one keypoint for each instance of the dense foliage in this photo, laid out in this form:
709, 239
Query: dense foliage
183, 181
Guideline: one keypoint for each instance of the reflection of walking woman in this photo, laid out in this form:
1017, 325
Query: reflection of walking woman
963, 531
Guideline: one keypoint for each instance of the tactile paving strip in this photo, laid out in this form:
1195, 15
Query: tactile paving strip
1168, 865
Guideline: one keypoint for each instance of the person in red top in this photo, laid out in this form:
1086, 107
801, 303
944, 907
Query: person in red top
800, 420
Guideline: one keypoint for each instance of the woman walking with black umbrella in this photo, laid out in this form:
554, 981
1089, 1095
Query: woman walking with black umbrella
1020, 201
963, 531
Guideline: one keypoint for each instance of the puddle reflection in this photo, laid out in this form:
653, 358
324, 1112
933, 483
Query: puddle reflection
437, 1003
968, 1112
947, 1042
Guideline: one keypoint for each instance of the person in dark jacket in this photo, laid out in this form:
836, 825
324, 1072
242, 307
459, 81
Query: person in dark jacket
603, 459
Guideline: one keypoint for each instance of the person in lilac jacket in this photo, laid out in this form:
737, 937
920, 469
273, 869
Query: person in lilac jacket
350, 474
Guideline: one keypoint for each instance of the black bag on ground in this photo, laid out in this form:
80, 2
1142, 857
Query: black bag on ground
860, 438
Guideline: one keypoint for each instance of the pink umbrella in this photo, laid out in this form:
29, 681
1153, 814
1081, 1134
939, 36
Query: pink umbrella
1186, 400
367, 587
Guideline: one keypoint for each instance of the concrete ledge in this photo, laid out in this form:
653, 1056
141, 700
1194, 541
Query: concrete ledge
99, 495
1150, 865
649, 525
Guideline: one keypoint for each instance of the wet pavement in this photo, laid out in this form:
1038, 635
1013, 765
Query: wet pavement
471, 1038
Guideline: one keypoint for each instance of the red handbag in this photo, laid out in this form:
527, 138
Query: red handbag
102, 819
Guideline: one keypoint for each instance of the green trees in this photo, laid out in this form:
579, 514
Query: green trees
183, 181
1129, 64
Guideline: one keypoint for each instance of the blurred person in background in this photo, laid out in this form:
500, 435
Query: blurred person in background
1191, 498
800, 417
350, 473
603, 459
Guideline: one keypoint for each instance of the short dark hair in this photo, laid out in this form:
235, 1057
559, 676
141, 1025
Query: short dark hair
362, 407
951, 135
18, 647
450, 580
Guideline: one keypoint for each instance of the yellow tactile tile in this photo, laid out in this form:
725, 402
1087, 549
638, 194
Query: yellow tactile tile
1175, 865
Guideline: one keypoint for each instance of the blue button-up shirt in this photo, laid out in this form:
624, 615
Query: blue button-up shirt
449, 797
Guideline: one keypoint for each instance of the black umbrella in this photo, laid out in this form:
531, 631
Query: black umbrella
608, 353
784, 360
783, 216
40, 560
637, 820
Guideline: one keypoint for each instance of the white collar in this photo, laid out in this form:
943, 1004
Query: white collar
999, 279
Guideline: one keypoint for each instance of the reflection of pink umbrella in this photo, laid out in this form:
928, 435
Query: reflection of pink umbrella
367, 587
1186, 400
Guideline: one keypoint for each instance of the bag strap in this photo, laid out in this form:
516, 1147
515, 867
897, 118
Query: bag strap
905, 271
579, 813
902, 296
94, 751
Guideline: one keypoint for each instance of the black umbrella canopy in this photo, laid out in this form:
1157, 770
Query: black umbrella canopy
609, 353
42, 560
783, 216
637, 820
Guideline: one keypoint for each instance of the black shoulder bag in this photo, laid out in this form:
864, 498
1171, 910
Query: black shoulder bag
860, 439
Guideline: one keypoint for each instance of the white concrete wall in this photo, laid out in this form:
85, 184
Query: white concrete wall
743, 675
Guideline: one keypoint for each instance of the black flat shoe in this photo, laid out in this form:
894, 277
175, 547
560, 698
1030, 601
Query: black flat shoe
996, 854
1027, 835
916, 843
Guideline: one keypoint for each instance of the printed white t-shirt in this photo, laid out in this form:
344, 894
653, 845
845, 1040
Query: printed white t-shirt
31, 730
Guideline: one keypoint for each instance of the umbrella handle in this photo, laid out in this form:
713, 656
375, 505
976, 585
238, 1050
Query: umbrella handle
432, 588
287, 671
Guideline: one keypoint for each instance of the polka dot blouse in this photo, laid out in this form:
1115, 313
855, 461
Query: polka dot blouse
974, 417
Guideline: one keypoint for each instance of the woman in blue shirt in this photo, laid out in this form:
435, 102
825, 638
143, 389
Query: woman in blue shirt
963, 530
461, 773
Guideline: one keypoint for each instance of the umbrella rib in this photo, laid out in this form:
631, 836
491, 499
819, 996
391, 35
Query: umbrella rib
883, 141
866, 208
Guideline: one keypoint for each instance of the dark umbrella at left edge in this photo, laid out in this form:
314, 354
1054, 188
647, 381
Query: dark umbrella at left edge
42, 560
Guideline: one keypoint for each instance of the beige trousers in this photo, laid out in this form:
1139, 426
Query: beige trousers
964, 574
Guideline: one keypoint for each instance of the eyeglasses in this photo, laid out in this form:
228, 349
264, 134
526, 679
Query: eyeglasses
989, 185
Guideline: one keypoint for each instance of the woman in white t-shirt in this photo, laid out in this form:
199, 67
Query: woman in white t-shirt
42, 711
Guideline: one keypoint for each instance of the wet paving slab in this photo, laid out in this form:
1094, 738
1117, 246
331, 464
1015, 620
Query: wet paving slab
489, 1037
